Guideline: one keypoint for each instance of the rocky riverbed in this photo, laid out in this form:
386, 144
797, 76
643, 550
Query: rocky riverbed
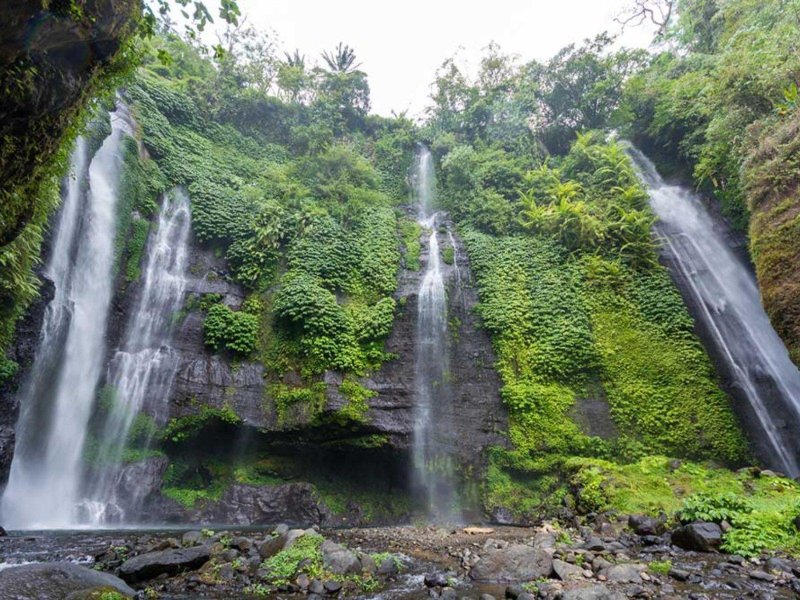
612, 558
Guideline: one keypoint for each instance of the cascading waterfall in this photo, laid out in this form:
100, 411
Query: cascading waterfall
44, 483
434, 475
144, 367
729, 307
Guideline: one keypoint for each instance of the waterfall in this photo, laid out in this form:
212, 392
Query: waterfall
727, 303
57, 399
142, 370
434, 472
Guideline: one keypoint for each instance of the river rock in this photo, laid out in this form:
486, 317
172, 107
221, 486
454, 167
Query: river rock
703, 537
624, 573
592, 592
56, 581
3, 532
191, 538
171, 562
273, 545
644, 525
338, 559
565, 571
516, 562
388, 567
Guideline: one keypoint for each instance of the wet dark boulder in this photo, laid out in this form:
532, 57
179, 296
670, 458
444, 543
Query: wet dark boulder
703, 537
643, 525
512, 563
56, 581
169, 562
294, 503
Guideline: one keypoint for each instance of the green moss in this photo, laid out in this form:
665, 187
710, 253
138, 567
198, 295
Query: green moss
449, 255
357, 396
411, 234
180, 429
297, 405
304, 556
660, 567
135, 249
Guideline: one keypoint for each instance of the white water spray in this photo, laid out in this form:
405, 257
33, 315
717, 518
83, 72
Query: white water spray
433, 462
726, 295
142, 371
45, 479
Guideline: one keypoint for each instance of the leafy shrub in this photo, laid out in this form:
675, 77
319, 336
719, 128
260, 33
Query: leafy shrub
714, 507
235, 331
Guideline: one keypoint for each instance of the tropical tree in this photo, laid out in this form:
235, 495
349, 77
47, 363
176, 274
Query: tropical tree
341, 60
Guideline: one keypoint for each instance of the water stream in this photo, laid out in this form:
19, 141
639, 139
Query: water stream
434, 466
143, 369
56, 401
724, 297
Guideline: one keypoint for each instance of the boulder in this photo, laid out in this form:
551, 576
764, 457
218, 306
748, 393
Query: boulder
624, 573
566, 571
171, 562
388, 567
592, 592
703, 537
515, 562
56, 581
272, 545
644, 525
338, 559
191, 538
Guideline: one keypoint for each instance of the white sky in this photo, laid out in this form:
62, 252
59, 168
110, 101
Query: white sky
401, 44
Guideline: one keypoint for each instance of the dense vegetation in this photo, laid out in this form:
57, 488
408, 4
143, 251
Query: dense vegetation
582, 316
299, 190
720, 101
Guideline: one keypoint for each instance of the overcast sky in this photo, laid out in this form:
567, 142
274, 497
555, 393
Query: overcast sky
401, 44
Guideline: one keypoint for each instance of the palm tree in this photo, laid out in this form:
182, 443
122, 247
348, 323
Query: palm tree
296, 59
342, 59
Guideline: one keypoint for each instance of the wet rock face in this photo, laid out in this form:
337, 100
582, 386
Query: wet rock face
168, 562
477, 410
240, 504
49, 56
22, 351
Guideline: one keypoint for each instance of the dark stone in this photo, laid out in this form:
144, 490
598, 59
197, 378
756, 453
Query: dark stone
679, 574
242, 504
513, 591
168, 562
3, 532
703, 537
592, 592
56, 581
332, 587
338, 559
388, 568
762, 576
565, 571
316, 587
515, 562
272, 546
433, 580
644, 525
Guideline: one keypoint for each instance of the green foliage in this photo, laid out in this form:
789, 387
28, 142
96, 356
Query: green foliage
180, 429
234, 331
713, 507
295, 405
303, 556
411, 233
660, 567
357, 396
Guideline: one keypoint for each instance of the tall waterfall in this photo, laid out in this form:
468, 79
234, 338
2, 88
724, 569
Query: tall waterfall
57, 399
727, 304
434, 475
144, 367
